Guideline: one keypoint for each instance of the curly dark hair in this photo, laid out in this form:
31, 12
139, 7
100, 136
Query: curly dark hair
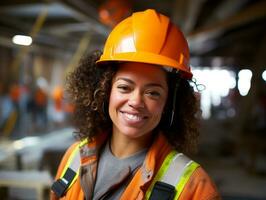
89, 88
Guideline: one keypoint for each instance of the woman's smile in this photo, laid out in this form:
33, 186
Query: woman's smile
138, 95
133, 118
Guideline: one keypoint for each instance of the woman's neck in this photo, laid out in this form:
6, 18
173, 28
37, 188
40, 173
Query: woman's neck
123, 146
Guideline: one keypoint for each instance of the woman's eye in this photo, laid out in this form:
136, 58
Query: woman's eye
153, 94
123, 88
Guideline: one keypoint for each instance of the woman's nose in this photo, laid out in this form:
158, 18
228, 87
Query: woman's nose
136, 100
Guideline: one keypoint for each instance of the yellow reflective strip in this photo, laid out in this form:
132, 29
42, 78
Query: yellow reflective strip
70, 159
83, 142
184, 178
164, 167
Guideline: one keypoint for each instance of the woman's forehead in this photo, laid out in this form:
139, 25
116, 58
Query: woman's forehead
142, 70
137, 67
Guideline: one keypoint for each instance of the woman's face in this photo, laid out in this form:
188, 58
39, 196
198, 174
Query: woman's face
138, 96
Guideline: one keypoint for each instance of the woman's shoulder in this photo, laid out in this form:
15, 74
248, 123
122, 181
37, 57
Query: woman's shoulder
65, 158
200, 187
71, 148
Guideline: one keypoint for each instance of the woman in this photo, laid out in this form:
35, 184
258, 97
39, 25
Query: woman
135, 111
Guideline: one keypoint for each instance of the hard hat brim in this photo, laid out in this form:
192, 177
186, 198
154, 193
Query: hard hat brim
149, 58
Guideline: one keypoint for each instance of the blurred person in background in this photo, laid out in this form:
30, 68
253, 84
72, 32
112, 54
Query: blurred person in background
7, 111
136, 118
57, 111
40, 102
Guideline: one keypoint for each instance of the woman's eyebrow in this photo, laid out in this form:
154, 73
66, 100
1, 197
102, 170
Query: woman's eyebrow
124, 79
132, 82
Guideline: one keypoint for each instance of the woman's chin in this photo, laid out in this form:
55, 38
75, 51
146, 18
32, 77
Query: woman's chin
132, 133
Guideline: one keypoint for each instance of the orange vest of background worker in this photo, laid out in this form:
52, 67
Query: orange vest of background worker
58, 98
40, 97
15, 93
135, 113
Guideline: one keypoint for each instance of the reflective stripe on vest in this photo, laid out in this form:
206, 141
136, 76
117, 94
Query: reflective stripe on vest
70, 172
176, 171
74, 162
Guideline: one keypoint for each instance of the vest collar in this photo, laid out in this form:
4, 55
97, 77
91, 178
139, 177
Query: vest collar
155, 156
154, 159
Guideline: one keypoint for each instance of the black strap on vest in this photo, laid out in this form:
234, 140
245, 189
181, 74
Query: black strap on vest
60, 186
162, 191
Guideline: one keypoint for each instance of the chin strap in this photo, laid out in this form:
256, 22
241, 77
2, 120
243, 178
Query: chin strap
177, 81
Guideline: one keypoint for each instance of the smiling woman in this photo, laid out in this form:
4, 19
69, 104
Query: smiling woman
135, 114
138, 95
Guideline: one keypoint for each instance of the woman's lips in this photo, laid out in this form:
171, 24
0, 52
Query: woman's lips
133, 118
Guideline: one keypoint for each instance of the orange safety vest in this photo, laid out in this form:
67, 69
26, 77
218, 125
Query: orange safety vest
161, 163
40, 97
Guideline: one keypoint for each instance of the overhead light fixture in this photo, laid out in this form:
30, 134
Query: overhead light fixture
244, 81
22, 40
264, 75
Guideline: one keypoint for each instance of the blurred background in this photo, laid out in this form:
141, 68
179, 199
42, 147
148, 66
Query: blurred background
41, 41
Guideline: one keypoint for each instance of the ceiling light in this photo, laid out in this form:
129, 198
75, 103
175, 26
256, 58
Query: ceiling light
22, 40
244, 81
264, 75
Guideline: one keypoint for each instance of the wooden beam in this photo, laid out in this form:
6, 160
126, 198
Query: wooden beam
179, 12
201, 37
83, 12
250, 14
15, 3
185, 13
194, 9
224, 9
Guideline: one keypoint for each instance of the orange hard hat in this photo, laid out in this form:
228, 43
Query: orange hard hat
148, 37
